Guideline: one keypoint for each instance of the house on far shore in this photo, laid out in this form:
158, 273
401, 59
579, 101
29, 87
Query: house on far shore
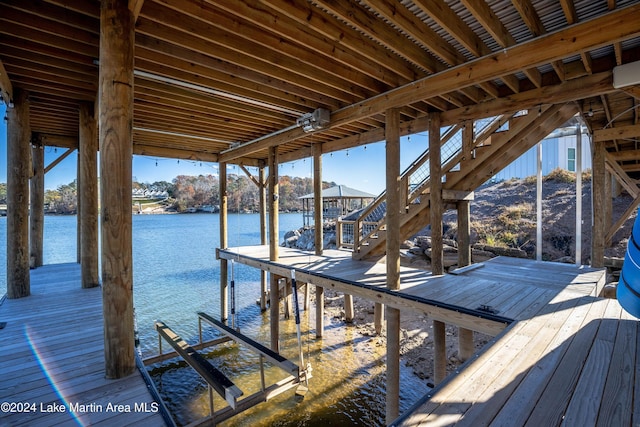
337, 201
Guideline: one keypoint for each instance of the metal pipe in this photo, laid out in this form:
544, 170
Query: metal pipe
578, 195
539, 204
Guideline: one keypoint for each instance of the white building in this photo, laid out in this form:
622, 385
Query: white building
558, 151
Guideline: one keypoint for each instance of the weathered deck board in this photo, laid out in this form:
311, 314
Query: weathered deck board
568, 357
52, 352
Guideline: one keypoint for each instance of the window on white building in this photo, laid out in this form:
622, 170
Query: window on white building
571, 159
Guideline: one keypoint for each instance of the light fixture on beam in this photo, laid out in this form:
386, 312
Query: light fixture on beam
316, 120
626, 75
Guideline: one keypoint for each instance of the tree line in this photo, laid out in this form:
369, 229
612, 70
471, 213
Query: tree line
186, 191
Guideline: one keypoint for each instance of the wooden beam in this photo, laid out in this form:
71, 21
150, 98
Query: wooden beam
623, 218
116, 116
135, 6
440, 352
6, 89
19, 165
626, 155
621, 176
174, 153
262, 192
634, 91
613, 26
318, 220
435, 197
598, 190
394, 203
274, 288
618, 132
467, 320
36, 213
50, 140
88, 195
393, 364
57, 161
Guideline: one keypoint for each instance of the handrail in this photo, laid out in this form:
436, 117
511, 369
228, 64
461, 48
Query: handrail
410, 192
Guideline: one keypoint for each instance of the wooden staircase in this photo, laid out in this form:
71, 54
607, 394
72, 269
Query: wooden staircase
465, 169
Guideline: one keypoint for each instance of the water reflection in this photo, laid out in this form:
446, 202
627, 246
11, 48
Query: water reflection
347, 387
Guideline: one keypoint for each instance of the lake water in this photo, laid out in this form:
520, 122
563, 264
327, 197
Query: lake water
176, 275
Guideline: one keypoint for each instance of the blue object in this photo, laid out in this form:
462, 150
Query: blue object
628, 291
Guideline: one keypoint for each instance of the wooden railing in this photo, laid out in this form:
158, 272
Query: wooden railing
415, 180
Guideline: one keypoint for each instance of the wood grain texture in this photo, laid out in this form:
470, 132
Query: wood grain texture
116, 118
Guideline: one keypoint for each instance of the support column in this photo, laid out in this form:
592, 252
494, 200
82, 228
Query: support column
598, 189
224, 242
378, 317
319, 238
465, 336
464, 233
394, 205
440, 353
466, 347
36, 217
88, 196
348, 308
116, 134
263, 234
319, 311
436, 207
273, 246
18, 172
78, 208
317, 197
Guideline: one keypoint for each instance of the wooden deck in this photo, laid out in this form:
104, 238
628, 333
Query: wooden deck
566, 357
52, 358
514, 289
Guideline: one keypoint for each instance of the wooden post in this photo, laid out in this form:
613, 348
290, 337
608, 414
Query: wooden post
348, 308
464, 233
88, 194
18, 172
273, 246
436, 206
598, 189
394, 205
288, 297
319, 311
440, 353
393, 364
224, 243
78, 209
317, 197
116, 133
36, 217
262, 189
378, 317
465, 336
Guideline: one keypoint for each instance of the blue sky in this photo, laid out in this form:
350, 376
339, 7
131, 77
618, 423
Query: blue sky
361, 168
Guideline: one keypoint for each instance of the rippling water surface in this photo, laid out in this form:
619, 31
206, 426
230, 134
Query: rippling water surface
176, 275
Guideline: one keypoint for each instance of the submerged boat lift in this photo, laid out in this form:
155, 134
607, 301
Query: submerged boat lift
220, 383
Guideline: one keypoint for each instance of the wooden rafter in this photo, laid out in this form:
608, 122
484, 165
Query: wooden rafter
618, 132
537, 51
6, 89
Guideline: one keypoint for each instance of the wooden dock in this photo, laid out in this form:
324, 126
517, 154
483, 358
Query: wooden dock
564, 355
52, 359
